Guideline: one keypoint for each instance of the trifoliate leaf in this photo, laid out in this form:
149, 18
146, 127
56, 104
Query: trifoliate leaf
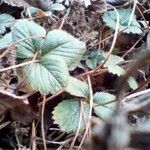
67, 115
77, 88
6, 40
132, 83
32, 34
102, 109
110, 18
50, 75
5, 22
58, 51
115, 69
60, 43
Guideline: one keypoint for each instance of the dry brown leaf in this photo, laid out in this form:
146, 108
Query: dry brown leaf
98, 6
19, 111
7, 59
23, 113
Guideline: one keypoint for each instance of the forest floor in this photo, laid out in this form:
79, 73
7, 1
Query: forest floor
75, 74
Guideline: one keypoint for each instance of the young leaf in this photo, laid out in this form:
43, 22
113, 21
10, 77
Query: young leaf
67, 115
60, 43
31, 35
77, 88
104, 110
5, 22
91, 63
93, 58
110, 18
50, 75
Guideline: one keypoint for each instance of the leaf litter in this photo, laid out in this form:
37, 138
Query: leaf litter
94, 23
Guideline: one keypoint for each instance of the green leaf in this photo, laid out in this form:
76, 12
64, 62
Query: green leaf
58, 51
50, 75
77, 88
115, 69
102, 109
91, 63
112, 66
6, 40
67, 115
60, 43
57, 7
5, 22
113, 60
133, 29
132, 83
110, 18
93, 58
24, 29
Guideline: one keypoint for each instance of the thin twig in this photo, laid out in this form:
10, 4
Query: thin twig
17, 139
103, 104
33, 141
55, 142
15, 96
78, 130
23, 39
130, 50
63, 20
28, 19
114, 39
42, 122
130, 97
19, 65
3, 125
142, 16
90, 113
93, 72
132, 13
51, 97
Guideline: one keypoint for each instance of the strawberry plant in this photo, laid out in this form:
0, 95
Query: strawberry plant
74, 72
